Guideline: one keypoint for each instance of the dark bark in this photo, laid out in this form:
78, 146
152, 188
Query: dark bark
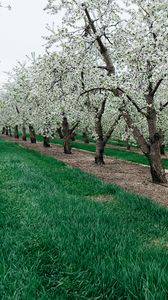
156, 167
127, 138
24, 138
103, 138
16, 132
138, 136
100, 143
59, 131
85, 136
46, 141
162, 144
68, 133
155, 137
73, 136
67, 145
151, 150
102, 47
6, 130
67, 136
99, 158
128, 145
10, 131
3, 130
111, 129
32, 134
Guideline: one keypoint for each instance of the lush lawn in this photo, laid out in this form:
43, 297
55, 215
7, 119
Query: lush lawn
57, 243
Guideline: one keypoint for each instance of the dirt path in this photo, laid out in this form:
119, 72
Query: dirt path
131, 176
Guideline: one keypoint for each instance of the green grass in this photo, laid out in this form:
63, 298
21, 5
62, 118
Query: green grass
56, 243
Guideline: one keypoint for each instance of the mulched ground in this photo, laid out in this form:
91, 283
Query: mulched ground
131, 176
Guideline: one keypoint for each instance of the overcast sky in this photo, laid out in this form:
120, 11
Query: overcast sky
21, 31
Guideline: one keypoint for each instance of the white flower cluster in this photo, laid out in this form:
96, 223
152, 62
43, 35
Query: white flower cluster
104, 48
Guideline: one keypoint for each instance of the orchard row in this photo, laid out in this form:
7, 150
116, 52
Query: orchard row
108, 75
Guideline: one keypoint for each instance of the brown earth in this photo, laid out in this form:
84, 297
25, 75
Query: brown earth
131, 176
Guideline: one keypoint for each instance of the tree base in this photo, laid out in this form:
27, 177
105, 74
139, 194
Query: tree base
33, 141
99, 161
158, 178
67, 151
67, 147
46, 142
46, 145
16, 136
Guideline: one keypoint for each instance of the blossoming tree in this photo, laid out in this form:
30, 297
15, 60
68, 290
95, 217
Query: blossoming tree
132, 43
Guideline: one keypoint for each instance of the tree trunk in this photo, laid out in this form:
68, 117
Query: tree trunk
127, 138
16, 132
99, 158
85, 136
151, 150
3, 130
67, 144
100, 144
24, 133
59, 131
67, 136
6, 130
10, 131
73, 136
106, 55
32, 134
156, 166
46, 141
162, 144
128, 145
155, 138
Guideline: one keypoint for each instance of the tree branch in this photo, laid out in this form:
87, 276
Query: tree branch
73, 128
111, 129
133, 102
103, 49
162, 106
100, 89
156, 87
82, 80
17, 110
101, 111
136, 132
117, 92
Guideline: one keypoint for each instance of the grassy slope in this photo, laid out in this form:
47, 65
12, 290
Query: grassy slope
58, 244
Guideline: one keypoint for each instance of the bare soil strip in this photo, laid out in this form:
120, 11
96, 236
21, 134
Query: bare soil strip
131, 176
